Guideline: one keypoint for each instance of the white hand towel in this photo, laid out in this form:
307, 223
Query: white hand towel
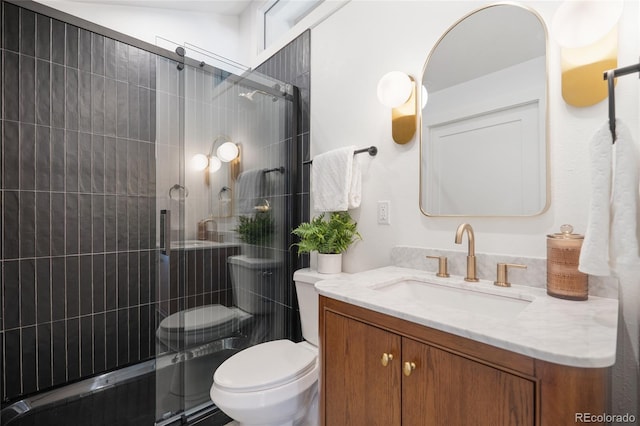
594, 256
331, 181
250, 190
624, 203
355, 189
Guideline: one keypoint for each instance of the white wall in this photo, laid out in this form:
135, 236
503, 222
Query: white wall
219, 34
353, 48
365, 39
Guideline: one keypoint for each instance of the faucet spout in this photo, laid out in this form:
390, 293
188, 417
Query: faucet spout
204, 233
471, 254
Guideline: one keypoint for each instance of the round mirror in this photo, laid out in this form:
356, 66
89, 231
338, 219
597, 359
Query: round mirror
484, 127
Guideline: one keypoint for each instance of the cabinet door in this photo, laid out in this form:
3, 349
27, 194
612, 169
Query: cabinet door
360, 389
447, 389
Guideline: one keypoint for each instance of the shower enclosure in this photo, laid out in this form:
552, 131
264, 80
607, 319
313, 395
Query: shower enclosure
221, 215
117, 247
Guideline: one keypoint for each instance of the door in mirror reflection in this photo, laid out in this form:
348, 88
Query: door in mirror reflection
483, 129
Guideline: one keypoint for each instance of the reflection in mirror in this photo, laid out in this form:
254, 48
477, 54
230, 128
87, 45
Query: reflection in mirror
483, 131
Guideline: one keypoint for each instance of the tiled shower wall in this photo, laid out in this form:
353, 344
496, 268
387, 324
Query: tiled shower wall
292, 64
78, 188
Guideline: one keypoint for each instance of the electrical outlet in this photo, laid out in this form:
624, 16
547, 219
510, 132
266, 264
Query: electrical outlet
384, 208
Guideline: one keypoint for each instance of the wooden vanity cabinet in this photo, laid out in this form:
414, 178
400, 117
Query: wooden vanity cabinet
449, 380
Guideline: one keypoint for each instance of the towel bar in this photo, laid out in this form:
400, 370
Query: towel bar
276, 169
609, 76
372, 150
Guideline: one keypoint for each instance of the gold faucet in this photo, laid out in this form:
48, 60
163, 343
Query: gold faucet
204, 233
471, 255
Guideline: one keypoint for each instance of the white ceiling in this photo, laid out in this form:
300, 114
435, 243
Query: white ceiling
220, 7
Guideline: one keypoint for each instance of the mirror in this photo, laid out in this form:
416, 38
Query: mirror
484, 125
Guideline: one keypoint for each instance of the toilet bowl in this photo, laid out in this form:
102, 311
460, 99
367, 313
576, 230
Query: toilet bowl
276, 383
272, 383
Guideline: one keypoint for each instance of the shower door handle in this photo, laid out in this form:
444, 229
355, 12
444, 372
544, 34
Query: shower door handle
165, 232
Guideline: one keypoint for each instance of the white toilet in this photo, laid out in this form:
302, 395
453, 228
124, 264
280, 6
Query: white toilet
275, 383
251, 280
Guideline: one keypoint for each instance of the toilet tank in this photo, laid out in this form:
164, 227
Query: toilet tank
305, 280
253, 283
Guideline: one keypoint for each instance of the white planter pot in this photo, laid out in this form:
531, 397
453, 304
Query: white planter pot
329, 263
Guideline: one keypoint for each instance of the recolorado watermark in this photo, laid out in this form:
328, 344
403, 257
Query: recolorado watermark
604, 418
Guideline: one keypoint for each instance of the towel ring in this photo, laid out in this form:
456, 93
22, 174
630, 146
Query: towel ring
178, 187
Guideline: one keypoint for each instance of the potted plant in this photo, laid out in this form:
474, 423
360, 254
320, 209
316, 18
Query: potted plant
330, 238
256, 231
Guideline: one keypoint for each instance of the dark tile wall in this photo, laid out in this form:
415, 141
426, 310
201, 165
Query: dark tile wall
292, 64
77, 203
197, 277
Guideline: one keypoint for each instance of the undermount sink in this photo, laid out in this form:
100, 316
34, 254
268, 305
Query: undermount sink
186, 244
430, 295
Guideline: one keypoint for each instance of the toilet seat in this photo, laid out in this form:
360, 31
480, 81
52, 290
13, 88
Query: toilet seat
264, 366
200, 324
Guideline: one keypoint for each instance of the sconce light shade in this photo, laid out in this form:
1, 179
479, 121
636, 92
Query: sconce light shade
394, 89
583, 23
227, 152
424, 97
199, 162
214, 164
587, 32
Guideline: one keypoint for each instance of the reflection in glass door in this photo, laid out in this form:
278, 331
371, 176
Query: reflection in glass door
225, 172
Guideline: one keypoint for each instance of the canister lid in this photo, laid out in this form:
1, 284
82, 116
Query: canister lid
566, 233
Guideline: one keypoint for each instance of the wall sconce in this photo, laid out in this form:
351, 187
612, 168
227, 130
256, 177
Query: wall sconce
227, 152
587, 32
396, 90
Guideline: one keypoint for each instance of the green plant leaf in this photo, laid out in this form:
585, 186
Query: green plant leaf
331, 236
257, 230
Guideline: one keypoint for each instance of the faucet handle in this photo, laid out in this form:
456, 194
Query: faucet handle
442, 266
501, 273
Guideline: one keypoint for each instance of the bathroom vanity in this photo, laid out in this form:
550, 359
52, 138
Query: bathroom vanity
395, 350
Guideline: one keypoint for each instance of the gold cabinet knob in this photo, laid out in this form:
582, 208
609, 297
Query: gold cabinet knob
386, 358
408, 367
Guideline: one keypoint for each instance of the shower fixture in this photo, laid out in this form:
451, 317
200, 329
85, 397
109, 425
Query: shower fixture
249, 96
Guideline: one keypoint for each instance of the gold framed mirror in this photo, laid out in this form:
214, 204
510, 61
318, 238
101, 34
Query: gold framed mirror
484, 149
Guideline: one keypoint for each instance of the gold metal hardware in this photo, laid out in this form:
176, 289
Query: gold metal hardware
403, 118
386, 358
501, 273
471, 255
408, 367
442, 266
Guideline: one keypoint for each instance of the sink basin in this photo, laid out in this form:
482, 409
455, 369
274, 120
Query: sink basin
186, 244
430, 295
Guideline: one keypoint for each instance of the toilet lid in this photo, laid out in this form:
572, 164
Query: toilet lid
264, 366
198, 318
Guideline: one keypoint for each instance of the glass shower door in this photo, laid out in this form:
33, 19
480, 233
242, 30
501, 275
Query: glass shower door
226, 283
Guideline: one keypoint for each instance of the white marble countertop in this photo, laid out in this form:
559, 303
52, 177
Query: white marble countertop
575, 333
